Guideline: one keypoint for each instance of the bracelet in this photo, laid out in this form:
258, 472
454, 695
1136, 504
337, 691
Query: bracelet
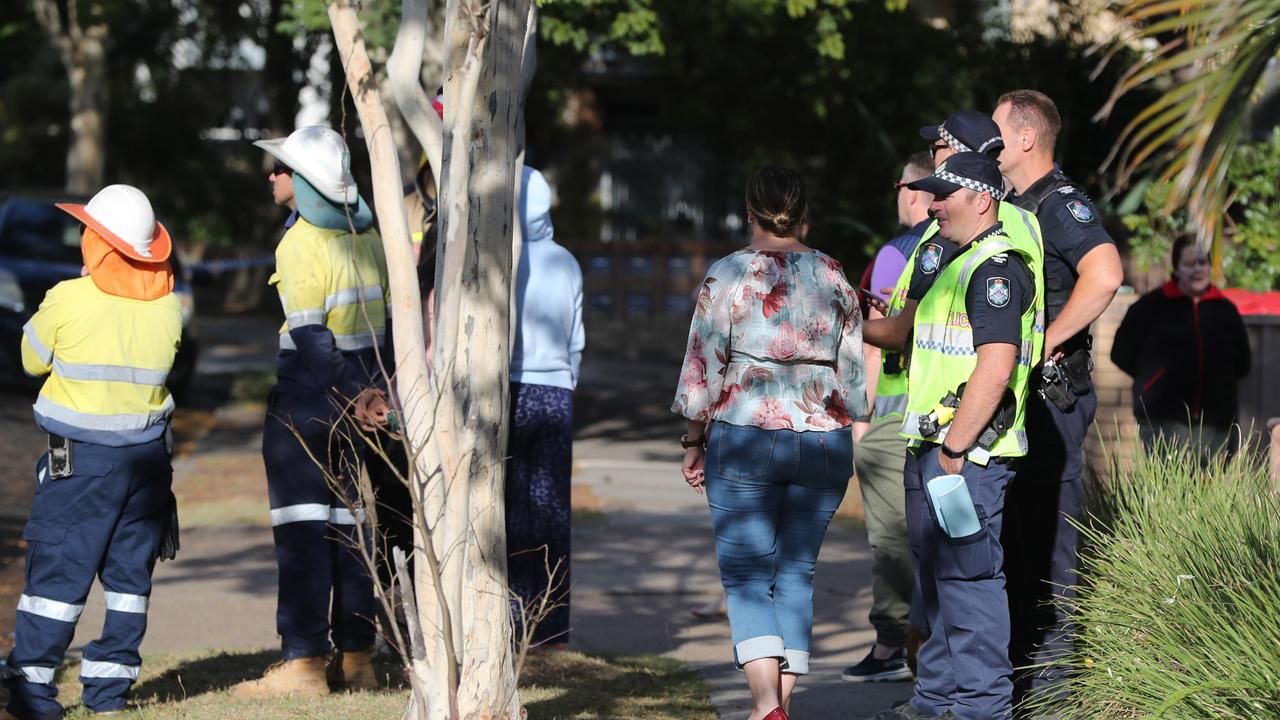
686, 443
953, 454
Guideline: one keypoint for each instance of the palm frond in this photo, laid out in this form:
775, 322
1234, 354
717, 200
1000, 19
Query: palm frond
1211, 67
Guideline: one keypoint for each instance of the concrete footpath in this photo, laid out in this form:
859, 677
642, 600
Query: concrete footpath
642, 557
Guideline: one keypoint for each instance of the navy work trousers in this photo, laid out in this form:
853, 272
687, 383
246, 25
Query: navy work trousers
964, 665
325, 586
1046, 495
105, 520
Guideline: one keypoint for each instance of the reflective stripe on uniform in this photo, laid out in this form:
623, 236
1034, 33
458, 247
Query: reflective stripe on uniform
357, 341
890, 405
946, 339
98, 669
36, 674
110, 373
51, 609
119, 421
43, 351
124, 602
911, 424
343, 516
1032, 227
351, 296
315, 512
303, 318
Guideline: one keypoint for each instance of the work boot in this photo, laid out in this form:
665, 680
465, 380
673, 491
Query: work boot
352, 671
300, 676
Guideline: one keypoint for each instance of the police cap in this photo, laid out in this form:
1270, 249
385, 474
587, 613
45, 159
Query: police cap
967, 131
972, 170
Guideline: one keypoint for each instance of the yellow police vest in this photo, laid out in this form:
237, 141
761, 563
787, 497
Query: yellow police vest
335, 279
1023, 230
107, 358
943, 355
891, 387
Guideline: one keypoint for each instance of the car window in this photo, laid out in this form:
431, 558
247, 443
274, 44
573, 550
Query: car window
34, 230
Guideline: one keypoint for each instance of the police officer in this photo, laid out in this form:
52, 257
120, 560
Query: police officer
1082, 273
332, 279
974, 339
962, 131
107, 341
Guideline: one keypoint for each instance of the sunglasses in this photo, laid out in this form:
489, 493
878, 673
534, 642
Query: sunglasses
933, 149
280, 168
898, 184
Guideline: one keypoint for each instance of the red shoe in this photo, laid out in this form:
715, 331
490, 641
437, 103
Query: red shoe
777, 714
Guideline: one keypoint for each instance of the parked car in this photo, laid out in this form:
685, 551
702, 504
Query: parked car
40, 247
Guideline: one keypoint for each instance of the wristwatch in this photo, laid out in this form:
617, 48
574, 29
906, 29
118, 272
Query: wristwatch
686, 443
953, 454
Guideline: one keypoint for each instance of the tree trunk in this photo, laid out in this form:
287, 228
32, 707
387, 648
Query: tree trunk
86, 158
83, 55
461, 426
404, 76
431, 699
483, 91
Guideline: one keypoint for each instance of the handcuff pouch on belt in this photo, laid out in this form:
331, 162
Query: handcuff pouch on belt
944, 412
1063, 382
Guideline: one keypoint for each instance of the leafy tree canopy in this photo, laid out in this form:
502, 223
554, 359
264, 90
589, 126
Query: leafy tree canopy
1252, 220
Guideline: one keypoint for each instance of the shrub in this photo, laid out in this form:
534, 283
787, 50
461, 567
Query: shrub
1179, 601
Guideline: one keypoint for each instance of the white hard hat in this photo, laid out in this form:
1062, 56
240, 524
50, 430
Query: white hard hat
320, 155
122, 215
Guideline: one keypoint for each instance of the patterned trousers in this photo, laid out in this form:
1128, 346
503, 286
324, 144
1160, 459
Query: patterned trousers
540, 458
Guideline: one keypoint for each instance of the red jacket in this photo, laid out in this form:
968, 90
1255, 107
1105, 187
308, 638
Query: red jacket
1186, 357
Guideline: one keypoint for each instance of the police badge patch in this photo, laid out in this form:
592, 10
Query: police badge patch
997, 291
930, 257
1080, 211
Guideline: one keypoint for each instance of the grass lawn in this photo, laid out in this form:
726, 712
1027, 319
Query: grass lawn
564, 685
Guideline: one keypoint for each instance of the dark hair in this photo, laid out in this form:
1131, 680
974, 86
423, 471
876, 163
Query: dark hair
1034, 109
921, 161
1179, 246
776, 198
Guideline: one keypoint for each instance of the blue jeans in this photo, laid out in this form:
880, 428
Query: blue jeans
772, 494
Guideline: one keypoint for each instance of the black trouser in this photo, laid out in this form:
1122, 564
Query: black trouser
395, 508
1040, 541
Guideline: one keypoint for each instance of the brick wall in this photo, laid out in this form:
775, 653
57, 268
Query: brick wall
1115, 431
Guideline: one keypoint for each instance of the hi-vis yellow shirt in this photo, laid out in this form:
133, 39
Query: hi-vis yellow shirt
333, 286
107, 358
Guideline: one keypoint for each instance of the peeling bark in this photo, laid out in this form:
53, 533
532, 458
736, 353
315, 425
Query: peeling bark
459, 421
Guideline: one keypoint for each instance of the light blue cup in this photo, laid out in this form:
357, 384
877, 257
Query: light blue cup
953, 505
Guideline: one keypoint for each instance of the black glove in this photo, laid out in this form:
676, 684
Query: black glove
169, 543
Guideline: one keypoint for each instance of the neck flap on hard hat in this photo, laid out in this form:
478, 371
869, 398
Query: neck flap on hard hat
115, 274
321, 212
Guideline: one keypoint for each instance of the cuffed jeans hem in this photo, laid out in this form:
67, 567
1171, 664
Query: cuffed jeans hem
796, 662
764, 646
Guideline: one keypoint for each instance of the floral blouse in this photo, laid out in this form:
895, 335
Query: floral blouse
776, 342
